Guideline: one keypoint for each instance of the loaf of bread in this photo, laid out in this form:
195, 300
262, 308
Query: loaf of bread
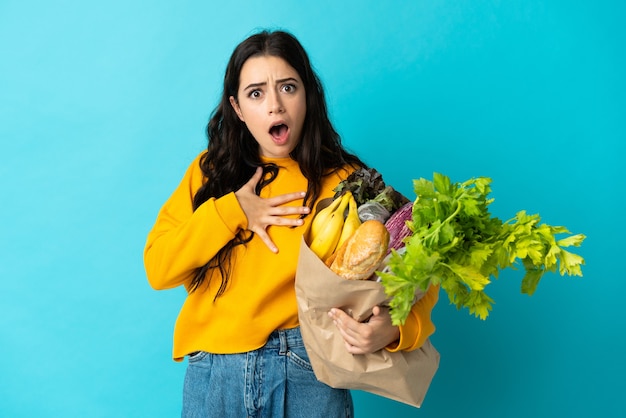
361, 255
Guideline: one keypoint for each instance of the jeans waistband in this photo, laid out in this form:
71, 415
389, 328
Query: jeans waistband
285, 338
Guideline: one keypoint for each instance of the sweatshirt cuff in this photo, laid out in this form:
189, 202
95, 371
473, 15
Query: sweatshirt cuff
418, 325
231, 213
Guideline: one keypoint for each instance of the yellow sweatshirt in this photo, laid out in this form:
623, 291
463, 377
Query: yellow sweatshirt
260, 297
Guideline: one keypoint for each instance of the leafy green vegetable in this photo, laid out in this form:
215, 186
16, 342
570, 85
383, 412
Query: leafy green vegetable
368, 185
457, 244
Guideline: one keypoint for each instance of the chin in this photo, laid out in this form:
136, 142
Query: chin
283, 151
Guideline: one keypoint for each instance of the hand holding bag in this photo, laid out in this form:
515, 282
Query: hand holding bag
403, 376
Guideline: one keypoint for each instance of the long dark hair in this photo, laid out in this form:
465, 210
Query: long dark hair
233, 154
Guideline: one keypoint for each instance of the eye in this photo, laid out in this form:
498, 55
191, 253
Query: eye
288, 88
254, 94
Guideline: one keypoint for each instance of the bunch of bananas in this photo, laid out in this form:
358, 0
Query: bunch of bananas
331, 227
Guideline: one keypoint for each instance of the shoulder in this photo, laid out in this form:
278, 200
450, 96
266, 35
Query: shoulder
337, 175
198, 159
342, 173
194, 175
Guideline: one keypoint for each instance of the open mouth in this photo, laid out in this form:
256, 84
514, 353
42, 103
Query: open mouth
279, 132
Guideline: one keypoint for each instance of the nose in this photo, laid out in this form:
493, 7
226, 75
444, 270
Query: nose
275, 104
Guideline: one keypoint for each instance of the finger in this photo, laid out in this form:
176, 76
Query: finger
267, 240
349, 340
353, 349
356, 336
288, 210
272, 217
382, 314
285, 198
337, 315
346, 324
280, 221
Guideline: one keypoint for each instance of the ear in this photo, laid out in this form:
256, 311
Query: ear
235, 105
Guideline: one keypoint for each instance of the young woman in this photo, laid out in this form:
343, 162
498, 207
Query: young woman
230, 233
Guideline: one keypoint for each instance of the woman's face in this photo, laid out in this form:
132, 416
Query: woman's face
271, 101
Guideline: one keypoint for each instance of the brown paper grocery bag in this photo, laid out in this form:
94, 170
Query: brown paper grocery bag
403, 376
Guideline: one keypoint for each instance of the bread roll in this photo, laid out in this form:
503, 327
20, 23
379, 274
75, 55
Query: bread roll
361, 254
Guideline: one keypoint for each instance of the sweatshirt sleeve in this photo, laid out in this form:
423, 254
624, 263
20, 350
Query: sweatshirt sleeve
183, 240
418, 325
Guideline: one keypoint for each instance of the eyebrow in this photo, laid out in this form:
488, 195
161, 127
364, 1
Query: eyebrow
280, 81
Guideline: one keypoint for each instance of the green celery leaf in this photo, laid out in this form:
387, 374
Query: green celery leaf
479, 255
471, 206
442, 183
471, 276
423, 188
570, 263
447, 233
531, 278
479, 304
551, 257
574, 240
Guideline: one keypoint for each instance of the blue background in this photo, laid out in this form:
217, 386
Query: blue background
103, 105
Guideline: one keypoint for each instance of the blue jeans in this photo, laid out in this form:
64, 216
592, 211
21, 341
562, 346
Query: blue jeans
272, 382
